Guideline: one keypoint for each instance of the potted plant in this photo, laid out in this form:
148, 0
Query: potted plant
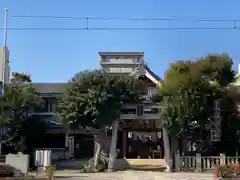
50, 171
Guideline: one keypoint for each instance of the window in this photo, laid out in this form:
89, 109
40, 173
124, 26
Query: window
43, 107
49, 105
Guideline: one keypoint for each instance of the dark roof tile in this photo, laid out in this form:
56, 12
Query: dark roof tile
50, 88
59, 88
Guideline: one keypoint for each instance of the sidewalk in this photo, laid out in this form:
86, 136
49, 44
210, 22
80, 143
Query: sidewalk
134, 175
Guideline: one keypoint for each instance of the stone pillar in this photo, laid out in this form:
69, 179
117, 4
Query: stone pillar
199, 162
222, 159
167, 151
112, 154
177, 161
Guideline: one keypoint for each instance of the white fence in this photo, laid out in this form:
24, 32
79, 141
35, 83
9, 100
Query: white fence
203, 163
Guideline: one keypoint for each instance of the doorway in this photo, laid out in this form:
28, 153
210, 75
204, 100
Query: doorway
145, 145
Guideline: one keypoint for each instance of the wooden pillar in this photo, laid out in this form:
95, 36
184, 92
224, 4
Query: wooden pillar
66, 155
66, 140
124, 139
71, 146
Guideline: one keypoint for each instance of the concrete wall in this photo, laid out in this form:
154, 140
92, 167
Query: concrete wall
19, 161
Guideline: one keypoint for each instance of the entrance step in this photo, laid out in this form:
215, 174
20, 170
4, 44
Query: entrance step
140, 164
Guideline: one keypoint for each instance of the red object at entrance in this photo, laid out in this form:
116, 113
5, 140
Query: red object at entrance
236, 113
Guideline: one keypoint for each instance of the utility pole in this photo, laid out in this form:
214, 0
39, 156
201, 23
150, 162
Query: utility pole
5, 26
3, 68
4, 50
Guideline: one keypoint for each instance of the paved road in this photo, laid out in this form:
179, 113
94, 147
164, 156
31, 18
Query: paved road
129, 175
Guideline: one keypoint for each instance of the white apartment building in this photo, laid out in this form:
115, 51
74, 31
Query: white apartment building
120, 62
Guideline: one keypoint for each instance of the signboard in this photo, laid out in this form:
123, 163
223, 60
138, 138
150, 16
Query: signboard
215, 131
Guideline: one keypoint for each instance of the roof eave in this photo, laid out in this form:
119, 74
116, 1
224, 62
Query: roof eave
136, 73
121, 53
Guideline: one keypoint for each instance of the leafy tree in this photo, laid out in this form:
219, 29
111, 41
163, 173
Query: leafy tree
28, 136
20, 78
189, 90
94, 99
16, 106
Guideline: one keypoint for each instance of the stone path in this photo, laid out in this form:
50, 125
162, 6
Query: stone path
139, 175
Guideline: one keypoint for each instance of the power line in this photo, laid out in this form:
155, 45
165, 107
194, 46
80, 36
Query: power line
122, 29
87, 20
125, 19
48, 17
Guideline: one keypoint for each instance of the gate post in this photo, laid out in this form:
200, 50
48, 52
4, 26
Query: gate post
177, 161
198, 162
222, 159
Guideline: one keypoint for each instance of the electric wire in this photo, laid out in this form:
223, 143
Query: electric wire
127, 19
122, 29
87, 28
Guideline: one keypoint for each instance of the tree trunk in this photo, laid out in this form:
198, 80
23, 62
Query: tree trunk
174, 144
101, 144
167, 151
112, 154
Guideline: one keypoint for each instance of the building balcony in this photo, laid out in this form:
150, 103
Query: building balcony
120, 70
118, 61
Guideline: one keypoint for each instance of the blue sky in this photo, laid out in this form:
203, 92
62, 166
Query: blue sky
55, 56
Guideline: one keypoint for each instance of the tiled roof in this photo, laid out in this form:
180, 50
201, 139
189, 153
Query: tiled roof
50, 88
142, 68
153, 74
59, 88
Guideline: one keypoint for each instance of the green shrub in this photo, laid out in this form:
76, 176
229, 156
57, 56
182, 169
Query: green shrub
228, 171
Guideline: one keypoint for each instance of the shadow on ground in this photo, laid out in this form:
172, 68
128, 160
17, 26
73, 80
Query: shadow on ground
72, 164
77, 164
